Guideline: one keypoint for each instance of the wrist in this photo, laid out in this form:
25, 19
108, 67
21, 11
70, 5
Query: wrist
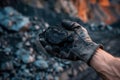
101, 60
93, 48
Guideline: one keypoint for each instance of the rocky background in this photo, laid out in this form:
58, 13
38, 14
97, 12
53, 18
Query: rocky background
22, 56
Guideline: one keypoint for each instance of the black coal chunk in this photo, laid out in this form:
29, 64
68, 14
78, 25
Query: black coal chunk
56, 35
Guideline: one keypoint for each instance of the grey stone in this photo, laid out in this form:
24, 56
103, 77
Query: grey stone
7, 66
20, 24
49, 77
16, 63
21, 51
27, 43
23, 67
40, 57
46, 25
56, 78
37, 27
27, 73
57, 67
41, 64
67, 62
7, 50
13, 20
38, 77
50, 70
10, 11
27, 58
19, 45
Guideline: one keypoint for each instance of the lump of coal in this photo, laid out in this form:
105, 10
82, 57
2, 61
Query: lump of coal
58, 42
55, 35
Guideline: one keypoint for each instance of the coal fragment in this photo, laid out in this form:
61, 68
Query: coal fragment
55, 35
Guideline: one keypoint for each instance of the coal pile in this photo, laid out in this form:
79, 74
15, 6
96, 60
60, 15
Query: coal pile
22, 57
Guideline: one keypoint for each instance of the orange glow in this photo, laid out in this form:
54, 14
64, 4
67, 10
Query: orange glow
82, 8
104, 3
101, 10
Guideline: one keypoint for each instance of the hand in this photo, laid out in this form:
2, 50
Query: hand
70, 42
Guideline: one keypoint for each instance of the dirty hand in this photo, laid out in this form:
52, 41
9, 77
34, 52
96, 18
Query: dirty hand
83, 46
76, 44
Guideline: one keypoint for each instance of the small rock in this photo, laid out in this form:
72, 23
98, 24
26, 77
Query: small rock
37, 27
21, 52
40, 57
13, 20
24, 38
57, 67
7, 50
38, 76
56, 78
50, 70
16, 64
27, 58
31, 50
55, 35
19, 45
10, 11
93, 27
6, 66
23, 67
67, 62
27, 73
46, 25
49, 77
27, 43
41, 64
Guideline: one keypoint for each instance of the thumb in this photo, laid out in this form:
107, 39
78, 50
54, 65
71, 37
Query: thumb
70, 25
83, 33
